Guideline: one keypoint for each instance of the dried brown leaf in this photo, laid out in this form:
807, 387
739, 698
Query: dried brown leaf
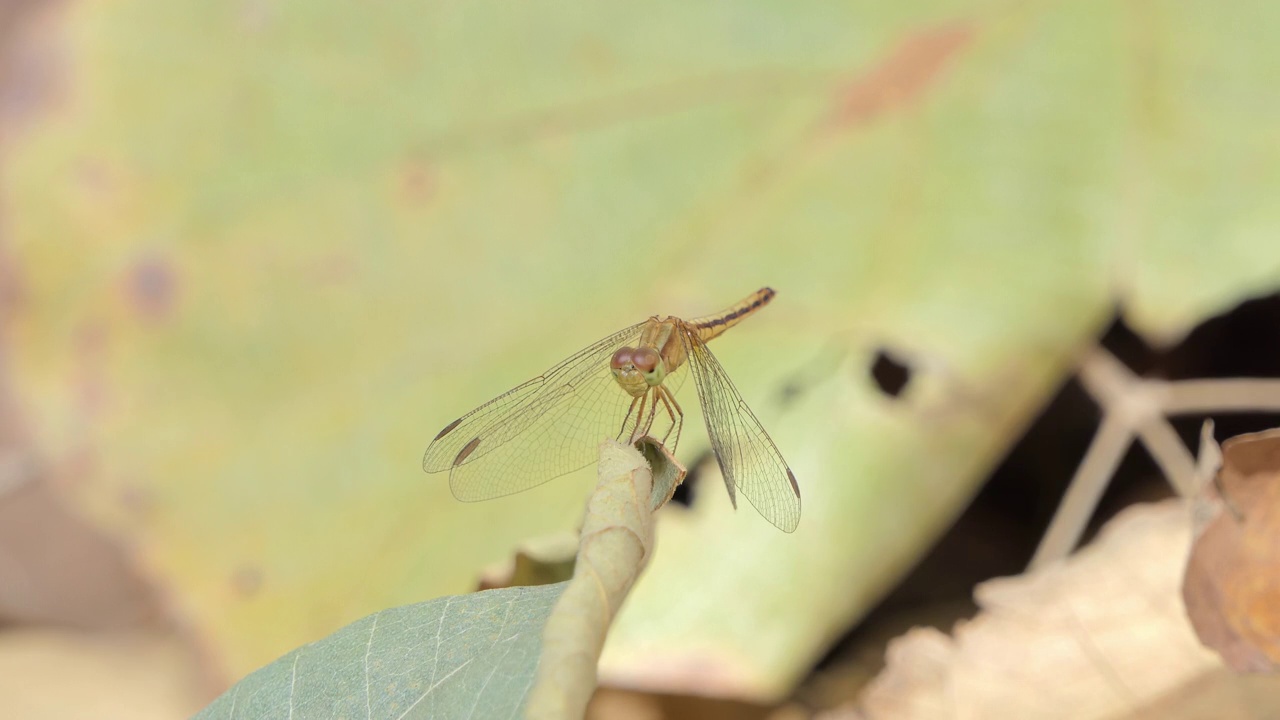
1232, 583
1100, 635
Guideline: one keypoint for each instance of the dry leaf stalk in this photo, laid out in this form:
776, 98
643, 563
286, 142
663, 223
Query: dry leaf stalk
616, 542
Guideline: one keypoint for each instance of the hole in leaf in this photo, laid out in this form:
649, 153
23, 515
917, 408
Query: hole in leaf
688, 490
891, 376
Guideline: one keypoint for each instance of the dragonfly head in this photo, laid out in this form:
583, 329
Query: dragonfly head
638, 369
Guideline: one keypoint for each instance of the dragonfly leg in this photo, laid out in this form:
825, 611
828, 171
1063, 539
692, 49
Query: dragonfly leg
675, 412
627, 417
653, 410
641, 427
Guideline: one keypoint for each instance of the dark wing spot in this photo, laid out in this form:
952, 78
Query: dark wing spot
466, 451
795, 487
447, 428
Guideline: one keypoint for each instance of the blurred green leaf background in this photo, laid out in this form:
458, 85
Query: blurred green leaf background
268, 249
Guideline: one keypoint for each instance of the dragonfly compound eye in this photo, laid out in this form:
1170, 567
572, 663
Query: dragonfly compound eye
645, 359
621, 359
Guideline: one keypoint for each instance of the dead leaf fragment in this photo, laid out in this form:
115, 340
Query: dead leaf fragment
667, 471
1232, 583
540, 561
1099, 636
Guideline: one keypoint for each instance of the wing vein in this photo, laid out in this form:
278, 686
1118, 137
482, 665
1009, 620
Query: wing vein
749, 459
537, 431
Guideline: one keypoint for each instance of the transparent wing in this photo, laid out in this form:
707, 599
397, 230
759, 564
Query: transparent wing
749, 461
545, 428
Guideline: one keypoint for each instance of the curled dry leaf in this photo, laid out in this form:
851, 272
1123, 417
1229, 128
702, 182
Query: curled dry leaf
1099, 635
615, 544
667, 472
550, 559
1232, 581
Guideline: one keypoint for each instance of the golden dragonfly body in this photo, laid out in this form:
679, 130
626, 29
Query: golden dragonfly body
552, 424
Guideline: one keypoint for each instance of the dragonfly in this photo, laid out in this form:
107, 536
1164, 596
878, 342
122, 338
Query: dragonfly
619, 387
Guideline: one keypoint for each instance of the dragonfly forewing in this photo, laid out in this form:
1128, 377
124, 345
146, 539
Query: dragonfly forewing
538, 431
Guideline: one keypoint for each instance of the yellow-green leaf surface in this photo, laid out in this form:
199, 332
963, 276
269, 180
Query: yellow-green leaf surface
467, 657
271, 248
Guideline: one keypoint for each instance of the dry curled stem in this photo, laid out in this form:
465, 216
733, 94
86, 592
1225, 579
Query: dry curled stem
615, 543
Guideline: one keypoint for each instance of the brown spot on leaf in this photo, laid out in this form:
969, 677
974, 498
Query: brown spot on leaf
334, 269
417, 183
1232, 583
95, 178
33, 37
902, 76
246, 581
139, 501
153, 288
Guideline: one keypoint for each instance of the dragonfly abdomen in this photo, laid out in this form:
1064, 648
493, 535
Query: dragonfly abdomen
712, 326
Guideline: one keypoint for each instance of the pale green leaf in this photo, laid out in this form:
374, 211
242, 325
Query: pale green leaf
454, 658
373, 220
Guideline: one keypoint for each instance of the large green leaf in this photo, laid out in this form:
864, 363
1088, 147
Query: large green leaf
471, 656
271, 248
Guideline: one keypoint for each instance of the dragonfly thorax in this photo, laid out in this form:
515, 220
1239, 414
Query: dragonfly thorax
638, 369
